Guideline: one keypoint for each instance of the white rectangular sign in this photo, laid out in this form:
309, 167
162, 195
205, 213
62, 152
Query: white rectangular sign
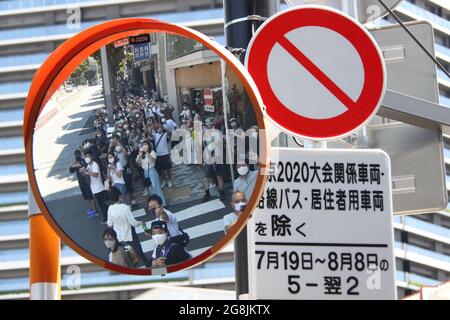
209, 107
323, 227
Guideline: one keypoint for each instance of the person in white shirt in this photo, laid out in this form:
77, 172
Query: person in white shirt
238, 202
147, 160
115, 175
123, 223
168, 124
163, 163
96, 184
155, 206
186, 113
157, 110
246, 180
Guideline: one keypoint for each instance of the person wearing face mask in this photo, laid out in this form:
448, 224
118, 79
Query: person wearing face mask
155, 207
122, 155
238, 202
213, 171
166, 252
117, 253
186, 113
120, 152
157, 111
163, 163
100, 137
246, 180
253, 147
124, 224
96, 183
77, 167
116, 175
146, 159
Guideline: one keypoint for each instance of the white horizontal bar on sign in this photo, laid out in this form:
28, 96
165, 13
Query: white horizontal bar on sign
393, 53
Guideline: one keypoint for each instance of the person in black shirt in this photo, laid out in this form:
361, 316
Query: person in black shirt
83, 182
166, 252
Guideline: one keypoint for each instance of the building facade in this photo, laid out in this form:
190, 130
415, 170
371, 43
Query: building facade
31, 29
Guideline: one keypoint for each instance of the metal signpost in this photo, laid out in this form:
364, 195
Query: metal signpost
242, 19
323, 228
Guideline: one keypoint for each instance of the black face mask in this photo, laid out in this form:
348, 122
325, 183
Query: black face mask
78, 158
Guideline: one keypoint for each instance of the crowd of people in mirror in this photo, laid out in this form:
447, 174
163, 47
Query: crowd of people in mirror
131, 144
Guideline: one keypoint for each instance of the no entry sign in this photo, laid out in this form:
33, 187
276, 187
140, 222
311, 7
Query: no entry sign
320, 73
208, 96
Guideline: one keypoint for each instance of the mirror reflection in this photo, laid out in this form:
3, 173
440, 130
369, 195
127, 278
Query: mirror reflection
147, 155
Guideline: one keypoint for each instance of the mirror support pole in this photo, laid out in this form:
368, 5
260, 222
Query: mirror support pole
242, 18
45, 246
107, 85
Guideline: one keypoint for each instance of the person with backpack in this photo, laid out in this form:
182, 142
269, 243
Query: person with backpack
96, 183
122, 221
163, 163
77, 167
166, 251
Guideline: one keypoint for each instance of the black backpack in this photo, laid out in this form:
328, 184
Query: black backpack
182, 239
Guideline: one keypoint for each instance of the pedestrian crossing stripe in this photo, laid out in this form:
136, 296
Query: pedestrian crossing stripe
201, 230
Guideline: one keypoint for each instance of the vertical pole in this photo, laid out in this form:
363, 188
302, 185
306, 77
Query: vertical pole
107, 85
242, 18
45, 246
226, 108
351, 8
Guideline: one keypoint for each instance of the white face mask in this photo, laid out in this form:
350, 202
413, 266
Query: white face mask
111, 160
159, 239
239, 207
242, 170
110, 243
118, 149
88, 160
87, 145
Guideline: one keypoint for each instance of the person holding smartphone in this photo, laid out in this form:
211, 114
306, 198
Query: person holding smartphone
146, 159
166, 252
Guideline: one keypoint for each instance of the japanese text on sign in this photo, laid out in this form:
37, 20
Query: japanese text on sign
322, 228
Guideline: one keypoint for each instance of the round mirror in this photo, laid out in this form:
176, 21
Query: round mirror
145, 145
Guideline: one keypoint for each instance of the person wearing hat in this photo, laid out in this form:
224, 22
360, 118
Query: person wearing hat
166, 252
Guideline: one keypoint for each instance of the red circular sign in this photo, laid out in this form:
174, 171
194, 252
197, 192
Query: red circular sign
208, 96
320, 73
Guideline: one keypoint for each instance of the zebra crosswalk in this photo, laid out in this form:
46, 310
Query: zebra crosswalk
201, 221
